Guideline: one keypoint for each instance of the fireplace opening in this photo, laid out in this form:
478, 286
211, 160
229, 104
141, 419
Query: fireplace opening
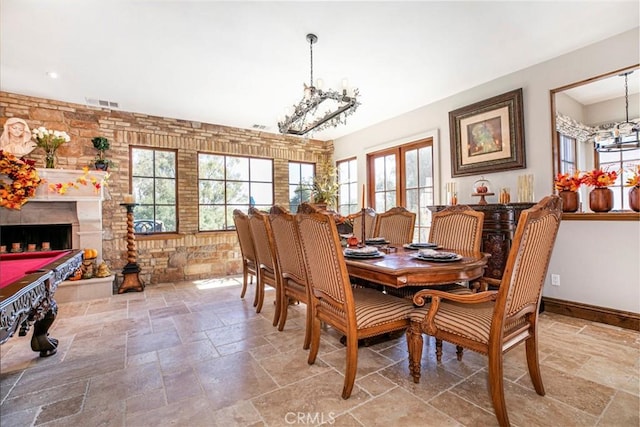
57, 235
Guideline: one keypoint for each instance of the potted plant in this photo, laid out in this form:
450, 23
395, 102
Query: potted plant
601, 197
634, 194
101, 144
567, 186
325, 185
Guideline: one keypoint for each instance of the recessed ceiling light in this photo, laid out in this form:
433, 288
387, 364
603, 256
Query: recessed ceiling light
52, 74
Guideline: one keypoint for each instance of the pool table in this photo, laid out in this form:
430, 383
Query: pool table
28, 281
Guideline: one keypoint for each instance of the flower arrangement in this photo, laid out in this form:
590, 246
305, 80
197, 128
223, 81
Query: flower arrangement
634, 179
325, 184
599, 178
50, 141
568, 182
25, 181
85, 179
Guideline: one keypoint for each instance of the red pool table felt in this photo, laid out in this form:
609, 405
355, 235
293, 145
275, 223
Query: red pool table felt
14, 266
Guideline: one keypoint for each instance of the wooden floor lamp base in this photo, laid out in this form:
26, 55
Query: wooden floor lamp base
131, 281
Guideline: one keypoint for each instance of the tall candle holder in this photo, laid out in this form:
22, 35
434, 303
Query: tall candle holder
130, 272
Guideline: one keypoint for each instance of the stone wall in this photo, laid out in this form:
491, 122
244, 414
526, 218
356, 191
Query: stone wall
187, 254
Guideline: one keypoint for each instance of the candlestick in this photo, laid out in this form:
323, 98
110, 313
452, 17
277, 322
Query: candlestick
362, 205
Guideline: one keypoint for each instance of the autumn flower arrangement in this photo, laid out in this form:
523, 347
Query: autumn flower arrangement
25, 181
634, 179
568, 182
599, 178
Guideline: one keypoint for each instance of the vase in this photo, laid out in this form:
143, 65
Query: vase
634, 199
601, 199
570, 200
50, 159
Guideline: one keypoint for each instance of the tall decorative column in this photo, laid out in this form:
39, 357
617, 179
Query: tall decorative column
130, 272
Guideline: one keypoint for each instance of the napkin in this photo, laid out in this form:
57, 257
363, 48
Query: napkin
428, 252
362, 250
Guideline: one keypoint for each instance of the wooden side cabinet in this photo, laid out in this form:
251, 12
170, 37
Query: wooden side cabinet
500, 221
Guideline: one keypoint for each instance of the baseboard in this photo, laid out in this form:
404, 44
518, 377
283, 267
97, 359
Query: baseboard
622, 319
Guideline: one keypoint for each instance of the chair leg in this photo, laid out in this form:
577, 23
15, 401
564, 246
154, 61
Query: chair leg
414, 344
259, 295
352, 365
531, 346
438, 350
245, 279
459, 351
315, 340
284, 310
278, 308
496, 387
308, 328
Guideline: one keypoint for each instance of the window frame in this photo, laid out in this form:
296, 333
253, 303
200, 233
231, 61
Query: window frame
299, 183
351, 180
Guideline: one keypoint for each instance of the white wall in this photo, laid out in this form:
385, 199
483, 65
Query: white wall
584, 275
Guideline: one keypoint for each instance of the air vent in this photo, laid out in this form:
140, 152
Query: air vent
260, 127
102, 103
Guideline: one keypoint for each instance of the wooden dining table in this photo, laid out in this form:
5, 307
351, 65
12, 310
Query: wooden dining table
399, 269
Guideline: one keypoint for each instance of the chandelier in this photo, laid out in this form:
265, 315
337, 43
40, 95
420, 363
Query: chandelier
319, 109
615, 137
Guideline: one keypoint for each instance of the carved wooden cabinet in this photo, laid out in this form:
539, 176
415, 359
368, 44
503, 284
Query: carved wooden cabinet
500, 222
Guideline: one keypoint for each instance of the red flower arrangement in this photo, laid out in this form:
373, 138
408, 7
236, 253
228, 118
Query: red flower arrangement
599, 178
25, 181
634, 179
568, 182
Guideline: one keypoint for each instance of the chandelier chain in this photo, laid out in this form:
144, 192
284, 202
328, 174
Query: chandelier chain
311, 60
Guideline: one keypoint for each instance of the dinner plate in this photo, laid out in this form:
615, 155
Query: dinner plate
420, 245
376, 242
364, 255
439, 258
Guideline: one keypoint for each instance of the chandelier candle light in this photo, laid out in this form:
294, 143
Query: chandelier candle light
310, 114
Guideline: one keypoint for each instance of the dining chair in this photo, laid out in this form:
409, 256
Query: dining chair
293, 275
241, 221
355, 312
369, 223
494, 322
267, 266
395, 225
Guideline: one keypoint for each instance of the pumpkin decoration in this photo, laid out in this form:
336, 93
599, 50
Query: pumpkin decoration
77, 275
90, 253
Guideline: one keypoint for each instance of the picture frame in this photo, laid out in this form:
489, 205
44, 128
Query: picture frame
488, 136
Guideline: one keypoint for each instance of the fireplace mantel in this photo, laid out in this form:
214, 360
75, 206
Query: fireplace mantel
81, 206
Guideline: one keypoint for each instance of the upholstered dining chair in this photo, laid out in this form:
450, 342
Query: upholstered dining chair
241, 221
494, 322
267, 266
369, 223
395, 225
356, 312
293, 275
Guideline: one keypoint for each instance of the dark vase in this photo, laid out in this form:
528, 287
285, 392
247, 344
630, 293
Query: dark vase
634, 199
101, 166
570, 201
601, 199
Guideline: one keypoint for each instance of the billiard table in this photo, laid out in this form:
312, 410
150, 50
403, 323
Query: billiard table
28, 281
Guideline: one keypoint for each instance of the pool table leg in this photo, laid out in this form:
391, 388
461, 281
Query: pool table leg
40, 340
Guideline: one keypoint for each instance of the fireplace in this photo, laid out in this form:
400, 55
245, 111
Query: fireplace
67, 221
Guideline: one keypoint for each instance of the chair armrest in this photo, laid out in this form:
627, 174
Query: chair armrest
485, 282
420, 296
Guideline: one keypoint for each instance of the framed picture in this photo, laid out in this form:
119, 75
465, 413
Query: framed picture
488, 136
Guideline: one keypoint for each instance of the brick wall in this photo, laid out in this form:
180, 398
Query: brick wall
187, 254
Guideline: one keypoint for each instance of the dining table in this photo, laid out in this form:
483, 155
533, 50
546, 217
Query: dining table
398, 267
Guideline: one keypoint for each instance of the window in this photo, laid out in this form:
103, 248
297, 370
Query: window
347, 187
226, 183
568, 158
621, 162
403, 176
153, 179
300, 183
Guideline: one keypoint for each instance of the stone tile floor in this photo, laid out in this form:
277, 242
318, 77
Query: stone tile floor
195, 354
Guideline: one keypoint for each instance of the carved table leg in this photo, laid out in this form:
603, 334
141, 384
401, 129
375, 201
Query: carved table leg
40, 340
414, 342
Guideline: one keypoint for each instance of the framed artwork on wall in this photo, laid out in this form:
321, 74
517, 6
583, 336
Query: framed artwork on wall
488, 136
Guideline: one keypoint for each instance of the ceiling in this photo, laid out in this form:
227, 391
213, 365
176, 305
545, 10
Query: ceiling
241, 64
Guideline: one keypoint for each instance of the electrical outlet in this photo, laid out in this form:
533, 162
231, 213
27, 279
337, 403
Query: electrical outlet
555, 279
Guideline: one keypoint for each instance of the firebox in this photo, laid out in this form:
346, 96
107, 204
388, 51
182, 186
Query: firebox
57, 235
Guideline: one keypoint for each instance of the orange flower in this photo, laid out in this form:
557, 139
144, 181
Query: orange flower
634, 179
25, 181
599, 178
567, 182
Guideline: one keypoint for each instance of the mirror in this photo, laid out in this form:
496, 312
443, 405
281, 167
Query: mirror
579, 112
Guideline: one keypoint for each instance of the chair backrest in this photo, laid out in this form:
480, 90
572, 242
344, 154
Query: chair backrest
369, 223
326, 269
307, 208
241, 221
527, 264
395, 225
457, 227
263, 241
288, 249
278, 209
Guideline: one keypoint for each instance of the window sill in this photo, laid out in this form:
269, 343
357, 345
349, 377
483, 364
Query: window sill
602, 216
159, 236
